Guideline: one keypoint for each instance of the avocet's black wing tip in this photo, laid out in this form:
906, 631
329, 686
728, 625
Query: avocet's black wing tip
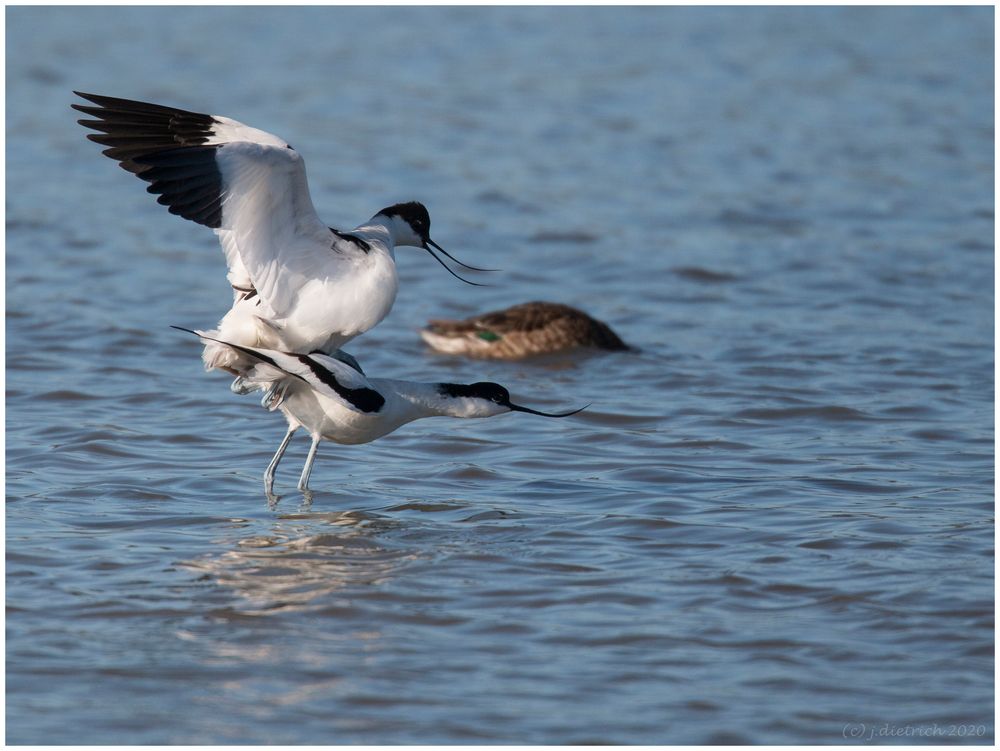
165, 146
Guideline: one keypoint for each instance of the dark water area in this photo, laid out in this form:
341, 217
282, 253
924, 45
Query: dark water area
773, 525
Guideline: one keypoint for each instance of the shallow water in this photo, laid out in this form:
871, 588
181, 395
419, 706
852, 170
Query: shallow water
773, 525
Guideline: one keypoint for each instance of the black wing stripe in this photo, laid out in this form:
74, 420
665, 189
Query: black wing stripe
191, 156
114, 127
172, 172
181, 194
142, 142
191, 205
130, 105
195, 212
208, 214
245, 350
365, 399
360, 242
183, 189
111, 116
197, 197
165, 147
136, 158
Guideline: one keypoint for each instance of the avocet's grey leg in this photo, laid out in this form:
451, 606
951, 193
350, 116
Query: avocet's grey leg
307, 470
307, 501
269, 472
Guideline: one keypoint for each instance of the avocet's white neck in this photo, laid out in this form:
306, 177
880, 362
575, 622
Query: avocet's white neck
399, 231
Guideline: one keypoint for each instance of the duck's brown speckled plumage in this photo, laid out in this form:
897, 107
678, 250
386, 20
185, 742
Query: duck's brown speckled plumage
528, 329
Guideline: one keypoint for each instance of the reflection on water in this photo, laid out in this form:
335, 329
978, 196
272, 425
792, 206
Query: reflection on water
289, 568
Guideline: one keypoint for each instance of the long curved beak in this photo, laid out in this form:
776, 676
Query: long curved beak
427, 247
449, 255
519, 408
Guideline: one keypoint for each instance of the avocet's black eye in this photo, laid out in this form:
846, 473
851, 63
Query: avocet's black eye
500, 395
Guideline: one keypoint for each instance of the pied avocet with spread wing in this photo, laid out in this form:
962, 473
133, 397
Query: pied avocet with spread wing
298, 284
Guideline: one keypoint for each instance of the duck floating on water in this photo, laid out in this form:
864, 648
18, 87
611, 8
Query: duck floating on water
532, 328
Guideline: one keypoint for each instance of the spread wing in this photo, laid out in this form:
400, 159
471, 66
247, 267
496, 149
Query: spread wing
246, 184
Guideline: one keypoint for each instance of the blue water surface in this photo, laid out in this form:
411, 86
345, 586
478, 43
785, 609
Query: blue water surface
773, 525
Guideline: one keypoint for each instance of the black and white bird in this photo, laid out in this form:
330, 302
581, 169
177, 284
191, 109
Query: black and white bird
335, 402
298, 285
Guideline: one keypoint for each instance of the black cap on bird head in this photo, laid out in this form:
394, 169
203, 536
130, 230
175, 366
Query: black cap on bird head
494, 392
413, 213
416, 216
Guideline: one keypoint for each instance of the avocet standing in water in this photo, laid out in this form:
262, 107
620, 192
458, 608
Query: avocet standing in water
335, 402
298, 284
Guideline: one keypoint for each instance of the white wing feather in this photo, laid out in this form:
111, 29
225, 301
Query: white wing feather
269, 213
238, 275
315, 288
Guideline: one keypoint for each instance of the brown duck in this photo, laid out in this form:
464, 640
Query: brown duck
531, 328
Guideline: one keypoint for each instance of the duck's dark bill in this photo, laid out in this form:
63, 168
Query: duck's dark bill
519, 408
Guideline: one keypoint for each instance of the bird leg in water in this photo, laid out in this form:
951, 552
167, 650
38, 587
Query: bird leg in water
307, 470
269, 472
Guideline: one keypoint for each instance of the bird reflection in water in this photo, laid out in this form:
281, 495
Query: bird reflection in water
307, 557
